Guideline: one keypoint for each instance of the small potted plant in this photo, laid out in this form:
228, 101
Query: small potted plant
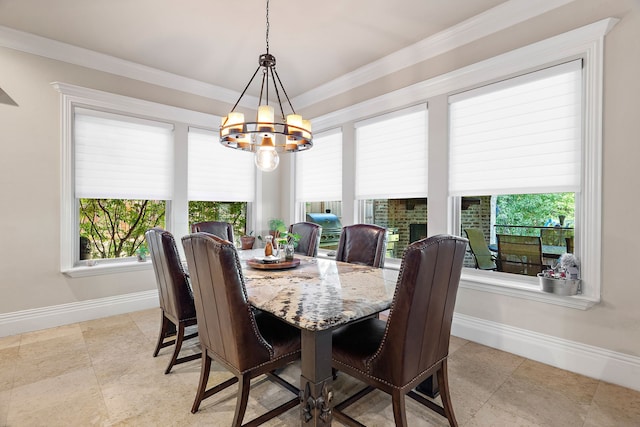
288, 241
247, 241
142, 253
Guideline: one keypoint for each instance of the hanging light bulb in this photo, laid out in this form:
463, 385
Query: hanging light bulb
267, 158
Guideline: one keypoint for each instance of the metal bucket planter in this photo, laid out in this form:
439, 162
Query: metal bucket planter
566, 287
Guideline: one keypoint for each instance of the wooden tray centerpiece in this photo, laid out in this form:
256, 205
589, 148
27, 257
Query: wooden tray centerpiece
261, 264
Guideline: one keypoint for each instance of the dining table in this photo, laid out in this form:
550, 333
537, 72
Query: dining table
316, 295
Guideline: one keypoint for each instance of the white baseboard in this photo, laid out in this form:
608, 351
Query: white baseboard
48, 317
605, 365
594, 362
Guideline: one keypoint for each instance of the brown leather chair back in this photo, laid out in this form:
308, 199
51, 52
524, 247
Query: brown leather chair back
176, 298
226, 324
419, 323
362, 244
221, 229
309, 237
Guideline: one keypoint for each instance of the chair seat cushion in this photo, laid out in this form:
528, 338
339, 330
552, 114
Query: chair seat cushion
354, 344
283, 337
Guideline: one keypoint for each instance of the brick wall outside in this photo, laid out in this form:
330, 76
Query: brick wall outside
400, 213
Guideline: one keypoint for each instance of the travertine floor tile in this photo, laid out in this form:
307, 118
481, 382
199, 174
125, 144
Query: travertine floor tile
8, 359
69, 399
496, 416
455, 343
67, 331
477, 371
5, 398
576, 387
148, 321
46, 358
614, 406
102, 372
536, 403
9, 342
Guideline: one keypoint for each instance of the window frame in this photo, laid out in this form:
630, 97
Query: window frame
587, 43
72, 96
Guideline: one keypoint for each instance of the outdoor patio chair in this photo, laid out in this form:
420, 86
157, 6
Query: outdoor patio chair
484, 259
520, 254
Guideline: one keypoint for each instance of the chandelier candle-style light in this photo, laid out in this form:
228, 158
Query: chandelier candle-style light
266, 136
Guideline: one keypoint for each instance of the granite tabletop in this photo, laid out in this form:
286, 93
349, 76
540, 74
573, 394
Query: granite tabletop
319, 293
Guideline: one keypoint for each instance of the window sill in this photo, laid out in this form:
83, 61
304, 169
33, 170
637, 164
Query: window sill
108, 268
520, 287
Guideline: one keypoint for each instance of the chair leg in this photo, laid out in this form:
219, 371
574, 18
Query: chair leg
399, 412
205, 368
176, 350
244, 385
165, 331
443, 381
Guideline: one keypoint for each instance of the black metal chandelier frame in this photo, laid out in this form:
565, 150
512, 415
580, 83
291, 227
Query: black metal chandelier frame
289, 134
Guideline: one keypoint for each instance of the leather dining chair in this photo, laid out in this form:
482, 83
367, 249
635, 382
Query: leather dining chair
362, 244
413, 344
174, 292
246, 343
219, 228
309, 233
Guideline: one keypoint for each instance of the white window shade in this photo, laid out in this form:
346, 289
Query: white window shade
518, 136
118, 157
391, 155
218, 173
319, 170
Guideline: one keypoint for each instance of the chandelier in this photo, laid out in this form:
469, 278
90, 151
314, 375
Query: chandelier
266, 136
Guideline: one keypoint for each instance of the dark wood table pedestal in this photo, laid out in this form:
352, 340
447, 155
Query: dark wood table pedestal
316, 392
429, 387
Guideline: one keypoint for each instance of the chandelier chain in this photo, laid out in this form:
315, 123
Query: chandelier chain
267, 33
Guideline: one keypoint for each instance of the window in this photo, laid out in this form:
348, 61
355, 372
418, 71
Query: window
319, 184
516, 146
128, 157
445, 211
221, 181
123, 178
391, 175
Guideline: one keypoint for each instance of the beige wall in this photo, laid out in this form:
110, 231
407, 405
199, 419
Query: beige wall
30, 175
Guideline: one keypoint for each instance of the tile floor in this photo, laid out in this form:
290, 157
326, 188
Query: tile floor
101, 372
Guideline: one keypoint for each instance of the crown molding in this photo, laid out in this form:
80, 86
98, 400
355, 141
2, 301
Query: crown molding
489, 22
586, 40
52, 49
493, 20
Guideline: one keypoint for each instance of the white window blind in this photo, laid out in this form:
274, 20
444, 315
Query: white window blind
218, 173
120, 157
319, 170
391, 155
518, 136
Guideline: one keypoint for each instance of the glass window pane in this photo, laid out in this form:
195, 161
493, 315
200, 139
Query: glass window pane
235, 213
549, 218
405, 220
328, 215
114, 228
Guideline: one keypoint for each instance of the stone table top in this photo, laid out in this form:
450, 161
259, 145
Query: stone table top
320, 293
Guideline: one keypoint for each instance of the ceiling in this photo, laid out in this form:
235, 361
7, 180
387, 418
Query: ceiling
218, 42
